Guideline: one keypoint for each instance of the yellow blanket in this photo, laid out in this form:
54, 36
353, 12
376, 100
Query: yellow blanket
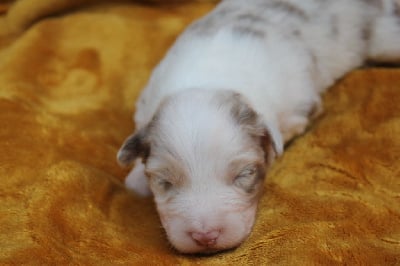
70, 72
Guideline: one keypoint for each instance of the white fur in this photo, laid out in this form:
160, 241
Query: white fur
280, 70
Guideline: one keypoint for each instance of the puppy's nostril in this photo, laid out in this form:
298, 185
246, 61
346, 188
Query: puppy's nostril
206, 239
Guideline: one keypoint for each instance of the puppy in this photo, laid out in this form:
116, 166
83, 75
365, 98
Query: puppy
236, 86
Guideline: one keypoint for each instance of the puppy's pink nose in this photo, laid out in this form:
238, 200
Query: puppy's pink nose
206, 239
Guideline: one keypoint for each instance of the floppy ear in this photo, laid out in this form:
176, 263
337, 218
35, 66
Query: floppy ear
253, 123
136, 145
271, 142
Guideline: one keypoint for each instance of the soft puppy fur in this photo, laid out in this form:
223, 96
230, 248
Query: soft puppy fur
235, 87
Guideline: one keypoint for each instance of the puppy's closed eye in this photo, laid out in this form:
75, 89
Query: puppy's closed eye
161, 183
248, 178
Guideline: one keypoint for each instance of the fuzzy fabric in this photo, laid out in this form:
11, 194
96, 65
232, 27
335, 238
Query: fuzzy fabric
69, 75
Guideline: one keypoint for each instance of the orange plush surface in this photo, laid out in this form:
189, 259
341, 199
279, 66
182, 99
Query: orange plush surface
70, 72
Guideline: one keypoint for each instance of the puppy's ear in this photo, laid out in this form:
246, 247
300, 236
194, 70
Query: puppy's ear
271, 142
244, 114
136, 145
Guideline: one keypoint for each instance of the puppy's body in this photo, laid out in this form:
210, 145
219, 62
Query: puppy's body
236, 85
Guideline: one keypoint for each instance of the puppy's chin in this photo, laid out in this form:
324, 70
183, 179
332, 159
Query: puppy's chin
234, 228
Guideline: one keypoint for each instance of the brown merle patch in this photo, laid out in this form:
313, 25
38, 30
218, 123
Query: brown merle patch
289, 8
366, 32
374, 3
248, 31
251, 18
334, 21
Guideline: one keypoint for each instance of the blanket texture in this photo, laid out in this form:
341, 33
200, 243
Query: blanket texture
70, 72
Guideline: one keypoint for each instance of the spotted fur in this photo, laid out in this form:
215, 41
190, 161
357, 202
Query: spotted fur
237, 85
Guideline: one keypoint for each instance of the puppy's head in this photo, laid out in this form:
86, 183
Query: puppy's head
206, 155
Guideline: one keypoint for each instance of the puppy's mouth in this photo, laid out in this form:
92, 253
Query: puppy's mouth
207, 250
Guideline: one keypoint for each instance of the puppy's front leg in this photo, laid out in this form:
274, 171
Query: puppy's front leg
137, 180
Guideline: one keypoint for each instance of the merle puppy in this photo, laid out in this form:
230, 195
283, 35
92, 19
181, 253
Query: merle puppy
237, 85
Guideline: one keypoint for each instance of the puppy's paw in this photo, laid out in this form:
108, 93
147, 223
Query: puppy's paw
137, 180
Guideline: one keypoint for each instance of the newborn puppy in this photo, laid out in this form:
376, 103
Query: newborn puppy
235, 87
